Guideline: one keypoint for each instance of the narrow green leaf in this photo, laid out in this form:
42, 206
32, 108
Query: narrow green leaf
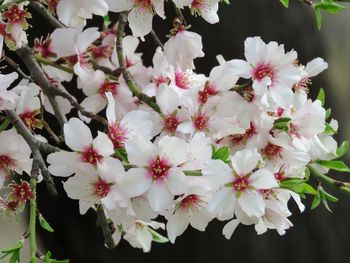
221, 154
328, 113
17, 246
328, 196
156, 237
321, 96
316, 202
285, 3
44, 224
342, 149
318, 18
4, 124
329, 129
339, 166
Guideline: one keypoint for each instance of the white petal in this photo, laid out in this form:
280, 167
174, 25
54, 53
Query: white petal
135, 182
62, 163
245, 161
252, 203
173, 149
103, 144
176, 181
263, 179
218, 172
140, 151
229, 228
111, 169
77, 135
176, 225
140, 22
159, 197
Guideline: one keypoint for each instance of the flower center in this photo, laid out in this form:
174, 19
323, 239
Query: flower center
190, 202
143, 4
262, 71
197, 4
108, 86
30, 120
43, 47
6, 163
21, 192
90, 155
183, 80
280, 176
101, 188
209, 90
159, 169
243, 138
160, 80
271, 151
268, 193
240, 184
117, 134
170, 123
15, 15
200, 122
101, 52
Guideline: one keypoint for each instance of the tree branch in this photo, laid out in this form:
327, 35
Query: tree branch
126, 74
105, 226
26, 54
35, 148
42, 10
344, 187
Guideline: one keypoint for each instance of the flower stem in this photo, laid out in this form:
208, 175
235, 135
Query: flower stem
344, 187
32, 223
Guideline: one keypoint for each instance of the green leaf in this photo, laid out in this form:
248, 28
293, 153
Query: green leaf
318, 18
329, 129
321, 96
156, 237
298, 186
44, 224
307, 174
121, 154
329, 6
342, 149
316, 202
281, 124
4, 124
221, 154
17, 246
285, 3
14, 252
328, 196
339, 166
47, 259
328, 113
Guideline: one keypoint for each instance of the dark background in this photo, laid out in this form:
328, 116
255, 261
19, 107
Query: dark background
317, 236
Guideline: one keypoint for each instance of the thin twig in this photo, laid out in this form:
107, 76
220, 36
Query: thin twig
107, 230
16, 67
26, 54
42, 10
126, 74
34, 146
343, 186
156, 39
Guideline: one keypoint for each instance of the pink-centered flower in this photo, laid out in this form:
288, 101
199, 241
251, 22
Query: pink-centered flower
87, 151
159, 173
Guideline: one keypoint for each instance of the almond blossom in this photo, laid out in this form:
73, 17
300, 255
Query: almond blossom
87, 151
159, 174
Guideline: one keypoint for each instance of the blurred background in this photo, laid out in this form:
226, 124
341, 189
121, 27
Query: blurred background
317, 236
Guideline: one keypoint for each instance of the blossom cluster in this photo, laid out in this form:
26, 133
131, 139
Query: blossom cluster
220, 147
